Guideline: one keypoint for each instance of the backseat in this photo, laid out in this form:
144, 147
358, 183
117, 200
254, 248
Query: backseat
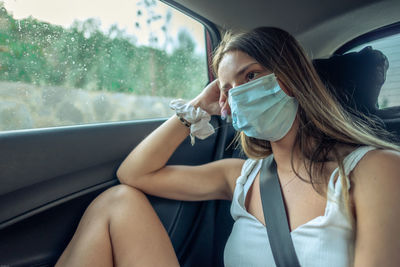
356, 79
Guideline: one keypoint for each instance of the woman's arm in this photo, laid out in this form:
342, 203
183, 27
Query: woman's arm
377, 206
145, 168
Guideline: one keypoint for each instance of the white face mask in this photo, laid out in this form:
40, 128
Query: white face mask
261, 109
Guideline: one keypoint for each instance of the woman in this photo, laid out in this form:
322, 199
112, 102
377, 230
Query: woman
339, 181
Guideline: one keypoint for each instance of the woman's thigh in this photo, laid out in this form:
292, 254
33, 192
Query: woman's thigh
120, 227
137, 234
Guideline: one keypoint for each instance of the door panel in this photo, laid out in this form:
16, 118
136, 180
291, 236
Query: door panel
49, 176
38, 239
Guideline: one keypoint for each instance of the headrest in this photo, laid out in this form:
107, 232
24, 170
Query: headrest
355, 78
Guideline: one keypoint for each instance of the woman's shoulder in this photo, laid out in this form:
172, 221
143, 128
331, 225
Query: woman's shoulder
232, 169
231, 166
364, 159
237, 170
376, 198
379, 162
377, 173
239, 166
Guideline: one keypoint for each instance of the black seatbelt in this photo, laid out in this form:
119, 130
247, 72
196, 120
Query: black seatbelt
275, 216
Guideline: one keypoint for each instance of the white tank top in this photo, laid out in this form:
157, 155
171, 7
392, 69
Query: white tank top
326, 240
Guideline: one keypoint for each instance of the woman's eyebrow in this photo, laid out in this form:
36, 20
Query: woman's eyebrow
239, 73
243, 69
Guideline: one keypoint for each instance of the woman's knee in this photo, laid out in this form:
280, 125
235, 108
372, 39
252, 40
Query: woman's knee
118, 197
125, 194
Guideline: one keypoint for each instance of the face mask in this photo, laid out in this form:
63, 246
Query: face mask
261, 109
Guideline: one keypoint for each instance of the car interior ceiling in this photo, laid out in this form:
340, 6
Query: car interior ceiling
321, 27
198, 230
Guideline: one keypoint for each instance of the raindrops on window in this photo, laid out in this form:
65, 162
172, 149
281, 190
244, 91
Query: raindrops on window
52, 75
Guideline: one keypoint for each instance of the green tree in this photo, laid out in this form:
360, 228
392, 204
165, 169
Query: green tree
85, 57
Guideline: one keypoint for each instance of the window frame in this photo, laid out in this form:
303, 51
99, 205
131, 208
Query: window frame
211, 32
373, 35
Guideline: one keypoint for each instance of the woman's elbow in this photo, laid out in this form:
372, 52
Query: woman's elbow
127, 176
122, 175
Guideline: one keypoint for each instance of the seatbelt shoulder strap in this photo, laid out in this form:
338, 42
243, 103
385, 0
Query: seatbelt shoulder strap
275, 215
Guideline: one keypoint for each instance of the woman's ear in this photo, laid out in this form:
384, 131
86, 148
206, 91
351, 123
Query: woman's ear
223, 104
284, 88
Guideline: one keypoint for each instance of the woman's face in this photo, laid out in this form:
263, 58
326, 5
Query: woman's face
236, 68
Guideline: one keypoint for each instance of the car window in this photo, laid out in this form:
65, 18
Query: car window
390, 46
69, 62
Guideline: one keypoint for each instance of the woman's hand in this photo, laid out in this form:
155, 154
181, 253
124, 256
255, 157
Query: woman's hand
212, 100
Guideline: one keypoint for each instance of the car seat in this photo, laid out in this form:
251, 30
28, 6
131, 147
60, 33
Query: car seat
356, 79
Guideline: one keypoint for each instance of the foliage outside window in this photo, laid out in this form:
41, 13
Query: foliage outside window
52, 75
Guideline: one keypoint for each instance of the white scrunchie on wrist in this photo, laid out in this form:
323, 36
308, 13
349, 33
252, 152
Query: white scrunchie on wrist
198, 118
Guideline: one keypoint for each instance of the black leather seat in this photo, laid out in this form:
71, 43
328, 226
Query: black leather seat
356, 79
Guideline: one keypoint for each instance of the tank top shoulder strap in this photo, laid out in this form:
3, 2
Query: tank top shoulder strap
247, 168
251, 176
352, 159
349, 163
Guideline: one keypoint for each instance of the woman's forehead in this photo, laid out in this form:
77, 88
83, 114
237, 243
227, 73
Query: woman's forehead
232, 61
234, 65
235, 56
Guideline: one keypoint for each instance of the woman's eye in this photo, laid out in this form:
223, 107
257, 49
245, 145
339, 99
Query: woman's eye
251, 76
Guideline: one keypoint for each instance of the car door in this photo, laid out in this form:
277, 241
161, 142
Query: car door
70, 113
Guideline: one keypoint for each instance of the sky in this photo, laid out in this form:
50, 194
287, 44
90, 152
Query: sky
109, 12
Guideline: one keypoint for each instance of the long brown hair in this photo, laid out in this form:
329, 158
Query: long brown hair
323, 122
